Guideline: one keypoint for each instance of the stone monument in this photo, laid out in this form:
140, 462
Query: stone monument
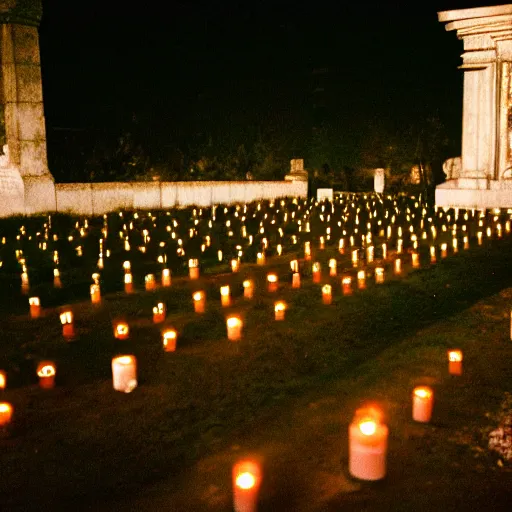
379, 180
484, 178
297, 172
26, 185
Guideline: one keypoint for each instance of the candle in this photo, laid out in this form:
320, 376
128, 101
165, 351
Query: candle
368, 438
295, 280
479, 236
95, 293
46, 371
225, 298
121, 330
272, 282
169, 338
35, 307
346, 285
361, 279
444, 250
317, 275
455, 362
327, 294
422, 402
199, 302
66, 319
24, 283
234, 328
294, 265
369, 254
379, 275
128, 283
3, 379
260, 258
432, 254
248, 289
279, 309
246, 484
332, 267
355, 257
159, 313
193, 268
5, 413
124, 373
235, 265
166, 277
341, 246
307, 251
150, 283
57, 283
415, 260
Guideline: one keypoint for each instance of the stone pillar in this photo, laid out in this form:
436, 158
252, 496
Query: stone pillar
21, 100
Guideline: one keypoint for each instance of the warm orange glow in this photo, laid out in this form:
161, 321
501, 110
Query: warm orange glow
121, 330
128, 278
272, 278
127, 266
346, 281
124, 360
245, 480
224, 290
198, 296
66, 317
46, 369
235, 265
233, 321
34, 301
294, 265
193, 263
3, 379
455, 355
279, 306
368, 427
169, 340
5, 413
422, 392
149, 280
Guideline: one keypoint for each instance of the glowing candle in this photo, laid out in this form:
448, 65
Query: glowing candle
422, 403
24, 283
260, 258
234, 328
35, 307
3, 379
444, 250
5, 413
332, 267
432, 254
272, 282
384, 251
95, 293
159, 313
398, 266
415, 257
199, 302
379, 275
317, 275
149, 281
246, 485
327, 294
169, 338
124, 373
121, 330
68, 329
368, 438
235, 265
361, 279
369, 254
355, 257
346, 285
307, 251
225, 298
128, 283
455, 362
341, 246
193, 268
279, 309
294, 265
166, 277
295, 280
479, 237
248, 289
57, 283
466, 242
46, 371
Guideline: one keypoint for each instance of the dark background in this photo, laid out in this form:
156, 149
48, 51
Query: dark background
182, 76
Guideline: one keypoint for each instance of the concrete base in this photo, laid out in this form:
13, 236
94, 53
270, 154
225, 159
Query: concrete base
12, 192
475, 193
39, 195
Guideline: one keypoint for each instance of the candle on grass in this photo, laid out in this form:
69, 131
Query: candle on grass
35, 307
166, 277
225, 298
46, 371
248, 289
124, 373
234, 328
279, 309
327, 294
68, 329
272, 281
169, 338
422, 403
199, 301
246, 484
455, 362
159, 313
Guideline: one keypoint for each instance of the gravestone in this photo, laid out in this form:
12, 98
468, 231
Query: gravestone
378, 181
22, 125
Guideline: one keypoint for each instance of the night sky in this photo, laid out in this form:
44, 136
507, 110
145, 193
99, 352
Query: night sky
182, 69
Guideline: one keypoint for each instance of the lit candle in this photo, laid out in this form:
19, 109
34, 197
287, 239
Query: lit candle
260, 258
248, 289
432, 254
225, 298
355, 257
121, 330
341, 246
307, 251
332, 267
379, 275
46, 371
361, 279
193, 268
246, 485
57, 283
272, 282
279, 309
166, 277
317, 275
234, 328
327, 294
455, 362
5, 413
368, 438
150, 283
235, 265
199, 302
422, 402
128, 283
346, 285
415, 260
24, 283
3, 379
35, 307
479, 236
124, 373
399, 246
444, 250
294, 265
369, 254
159, 313
66, 319
95, 293
169, 338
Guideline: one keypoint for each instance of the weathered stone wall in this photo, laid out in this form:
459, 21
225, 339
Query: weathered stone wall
99, 198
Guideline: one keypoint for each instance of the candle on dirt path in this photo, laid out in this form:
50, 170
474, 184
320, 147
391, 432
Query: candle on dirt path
246, 485
193, 268
422, 403
46, 371
121, 330
169, 338
6, 411
225, 298
35, 307
279, 309
455, 362
68, 329
166, 277
159, 313
327, 294
234, 328
124, 373
199, 301
248, 289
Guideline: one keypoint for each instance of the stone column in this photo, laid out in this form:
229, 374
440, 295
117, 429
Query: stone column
21, 99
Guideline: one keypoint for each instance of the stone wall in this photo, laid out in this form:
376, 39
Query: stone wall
99, 198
